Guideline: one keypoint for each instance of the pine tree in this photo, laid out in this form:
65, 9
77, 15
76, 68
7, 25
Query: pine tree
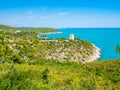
117, 49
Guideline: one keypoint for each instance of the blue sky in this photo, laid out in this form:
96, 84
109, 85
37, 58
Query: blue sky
60, 13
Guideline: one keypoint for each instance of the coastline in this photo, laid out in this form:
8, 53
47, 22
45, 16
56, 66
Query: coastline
93, 57
51, 33
96, 54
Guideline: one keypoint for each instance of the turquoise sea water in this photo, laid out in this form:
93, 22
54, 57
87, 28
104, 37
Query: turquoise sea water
104, 38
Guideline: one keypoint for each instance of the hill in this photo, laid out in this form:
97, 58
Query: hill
38, 30
27, 47
6, 27
26, 29
67, 50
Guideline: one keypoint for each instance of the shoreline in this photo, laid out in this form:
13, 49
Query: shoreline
96, 54
93, 57
51, 33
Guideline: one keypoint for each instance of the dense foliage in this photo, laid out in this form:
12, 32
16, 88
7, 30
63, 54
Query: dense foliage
52, 75
117, 49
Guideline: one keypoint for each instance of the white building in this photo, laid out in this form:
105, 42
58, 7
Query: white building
71, 37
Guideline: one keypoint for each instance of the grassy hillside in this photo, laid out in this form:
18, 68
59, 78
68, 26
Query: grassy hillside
38, 30
6, 27
52, 75
27, 29
25, 47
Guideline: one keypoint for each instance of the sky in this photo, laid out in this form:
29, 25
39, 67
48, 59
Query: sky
60, 13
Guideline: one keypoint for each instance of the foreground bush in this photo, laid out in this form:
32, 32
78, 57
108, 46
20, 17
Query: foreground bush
52, 75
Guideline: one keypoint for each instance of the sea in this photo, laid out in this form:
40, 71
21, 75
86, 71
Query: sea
104, 38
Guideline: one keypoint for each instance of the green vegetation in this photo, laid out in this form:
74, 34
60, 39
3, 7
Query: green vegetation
26, 29
25, 66
6, 27
27, 47
38, 30
117, 48
52, 75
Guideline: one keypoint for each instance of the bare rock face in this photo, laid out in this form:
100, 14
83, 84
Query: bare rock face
95, 56
73, 51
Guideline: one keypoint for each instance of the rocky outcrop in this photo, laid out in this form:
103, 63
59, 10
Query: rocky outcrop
73, 51
95, 56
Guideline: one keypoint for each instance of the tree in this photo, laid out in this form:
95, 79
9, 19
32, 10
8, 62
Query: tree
117, 48
45, 76
61, 39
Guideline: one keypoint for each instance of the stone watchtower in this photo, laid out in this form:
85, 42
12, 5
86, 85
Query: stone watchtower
71, 37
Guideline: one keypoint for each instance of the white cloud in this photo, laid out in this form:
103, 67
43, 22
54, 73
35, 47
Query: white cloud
63, 13
31, 16
49, 17
29, 12
55, 15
